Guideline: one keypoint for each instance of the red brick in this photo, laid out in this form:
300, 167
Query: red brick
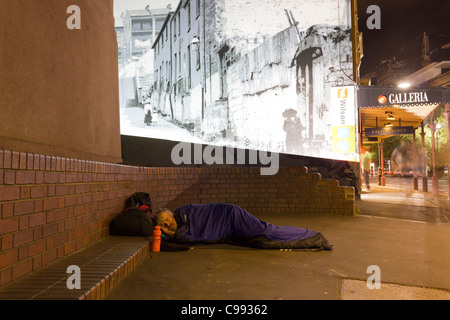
39, 177
49, 230
36, 161
8, 258
37, 262
8, 193
22, 160
23, 253
25, 177
51, 177
48, 257
41, 162
25, 192
22, 237
38, 219
5, 276
23, 222
22, 269
30, 164
37, 233
7, 210
15, 160
48, 163
6, 159
23, 207
70, 223
38, 191
60, 214
70, 247
9, 177
50, 203
61, 190
9, 225
6, 243
38, 205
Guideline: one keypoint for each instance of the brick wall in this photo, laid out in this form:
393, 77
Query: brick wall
51, 207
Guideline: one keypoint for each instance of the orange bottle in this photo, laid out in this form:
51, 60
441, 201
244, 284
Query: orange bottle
156, 242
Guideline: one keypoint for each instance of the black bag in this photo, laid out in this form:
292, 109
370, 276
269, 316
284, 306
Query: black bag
136, 219
133, 222
141, 200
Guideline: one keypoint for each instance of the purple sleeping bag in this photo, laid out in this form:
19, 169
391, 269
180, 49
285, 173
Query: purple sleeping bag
217, 222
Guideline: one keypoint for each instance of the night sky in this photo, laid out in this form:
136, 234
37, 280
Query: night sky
402, 25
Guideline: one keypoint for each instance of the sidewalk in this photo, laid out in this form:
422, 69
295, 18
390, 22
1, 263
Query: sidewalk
413, 258
397, 199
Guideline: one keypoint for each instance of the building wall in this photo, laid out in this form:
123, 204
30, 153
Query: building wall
59, 87
53, 206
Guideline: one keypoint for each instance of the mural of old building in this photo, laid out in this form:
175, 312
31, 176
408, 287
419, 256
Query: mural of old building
245, 69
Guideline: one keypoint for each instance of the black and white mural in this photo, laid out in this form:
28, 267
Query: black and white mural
271, 75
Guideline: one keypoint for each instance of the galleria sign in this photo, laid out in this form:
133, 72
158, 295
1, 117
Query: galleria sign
408, 97
378, 97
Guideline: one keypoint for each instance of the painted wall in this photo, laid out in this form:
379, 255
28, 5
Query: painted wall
59, 87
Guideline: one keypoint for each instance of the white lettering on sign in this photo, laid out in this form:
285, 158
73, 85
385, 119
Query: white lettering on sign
411, 97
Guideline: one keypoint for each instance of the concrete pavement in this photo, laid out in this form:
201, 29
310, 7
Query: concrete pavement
410, 257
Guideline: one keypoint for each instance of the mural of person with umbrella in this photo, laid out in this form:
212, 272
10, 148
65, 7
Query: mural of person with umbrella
293, 128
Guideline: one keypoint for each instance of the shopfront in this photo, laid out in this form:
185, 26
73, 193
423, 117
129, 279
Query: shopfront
388, 111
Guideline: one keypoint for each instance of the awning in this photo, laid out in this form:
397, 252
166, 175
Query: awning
409, 107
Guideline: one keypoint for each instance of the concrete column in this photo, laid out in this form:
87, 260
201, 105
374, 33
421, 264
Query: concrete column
415, 179
424, 163
447, 118
435, 181
383, 179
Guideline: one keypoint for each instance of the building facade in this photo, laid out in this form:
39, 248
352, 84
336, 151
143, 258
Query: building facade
138, 31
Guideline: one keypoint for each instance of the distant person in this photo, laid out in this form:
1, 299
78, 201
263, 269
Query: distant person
366, 157
148, 113
401, 159
293, 128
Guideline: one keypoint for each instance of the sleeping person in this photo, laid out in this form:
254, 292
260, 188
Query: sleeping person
227, 223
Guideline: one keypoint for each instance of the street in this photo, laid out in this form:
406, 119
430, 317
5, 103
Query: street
406, 183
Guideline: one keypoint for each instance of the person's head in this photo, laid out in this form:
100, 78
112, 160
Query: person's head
165, 218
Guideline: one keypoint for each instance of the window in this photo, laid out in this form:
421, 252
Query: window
168, 70
175, 68
189, 67
174, 24
197, 58
146, 26
136, 26
179, 24
197, 9
188, 9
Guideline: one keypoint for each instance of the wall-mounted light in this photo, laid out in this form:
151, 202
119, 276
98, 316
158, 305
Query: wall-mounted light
389, 115
195, 43
388, 124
